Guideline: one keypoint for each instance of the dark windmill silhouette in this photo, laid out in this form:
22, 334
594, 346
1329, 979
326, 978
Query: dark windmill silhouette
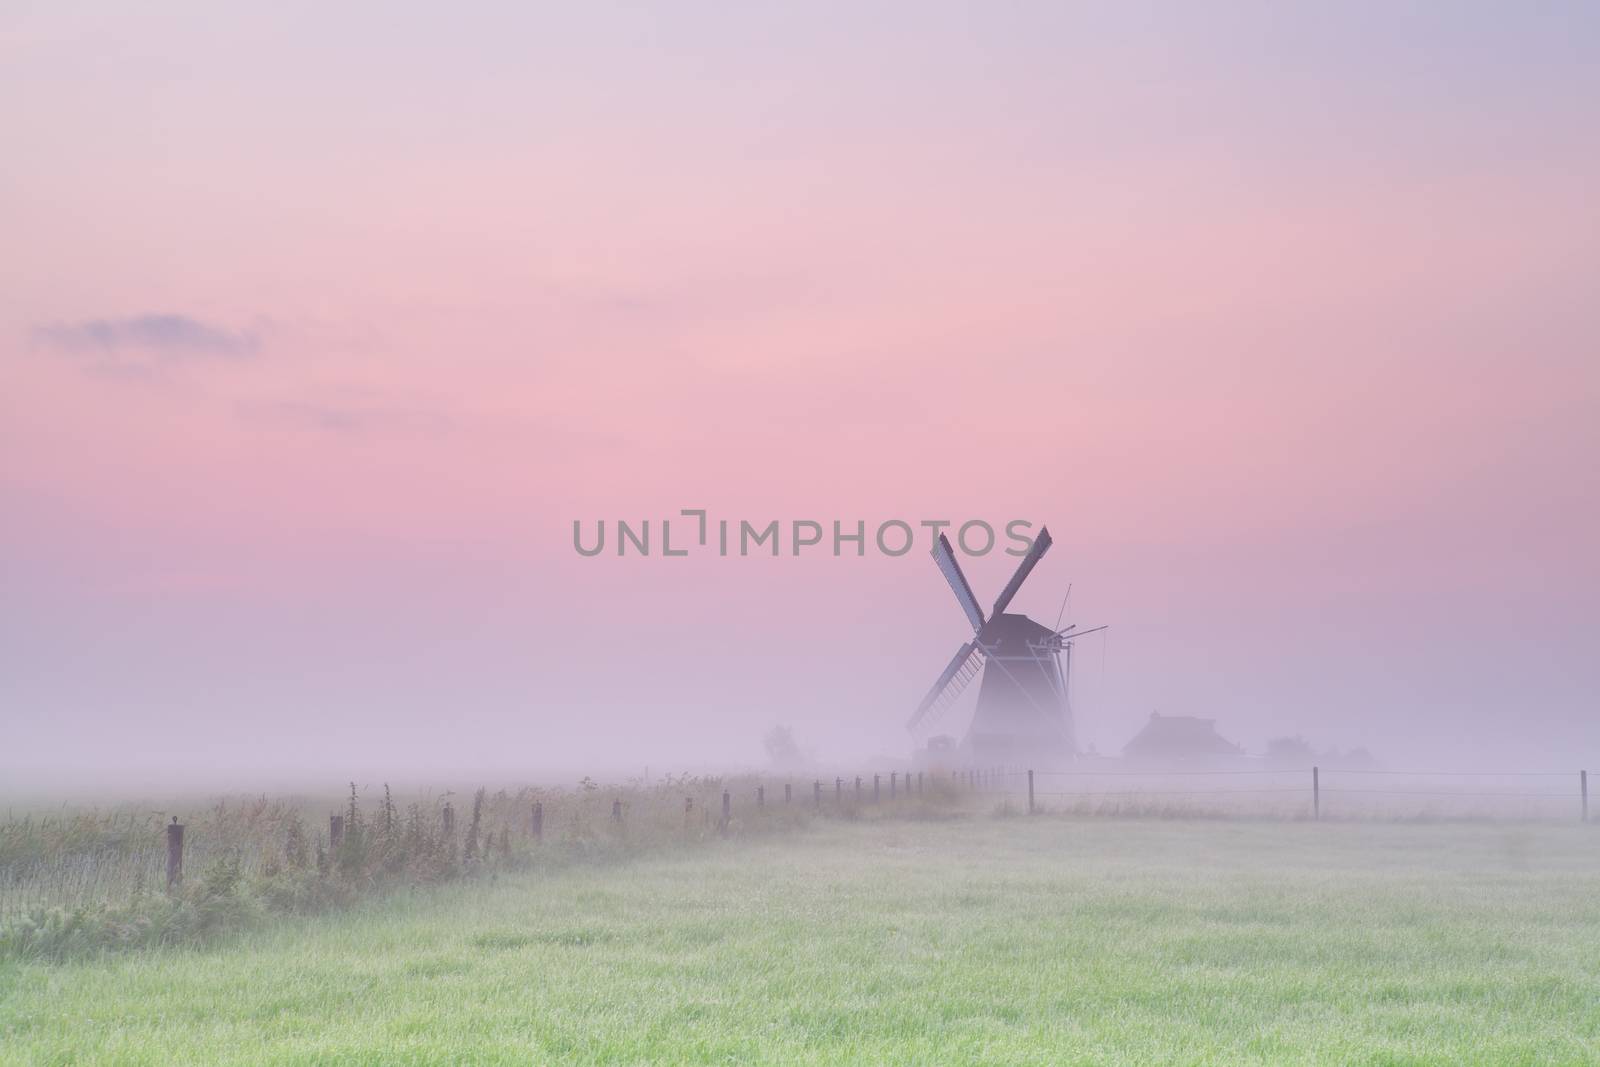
1023, 709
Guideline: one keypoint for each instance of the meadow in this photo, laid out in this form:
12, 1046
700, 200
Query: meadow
961, 935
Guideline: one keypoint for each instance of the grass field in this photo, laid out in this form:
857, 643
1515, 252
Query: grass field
1044, 941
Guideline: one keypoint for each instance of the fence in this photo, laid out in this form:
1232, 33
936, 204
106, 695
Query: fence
1315, 792
80, 857
73, 859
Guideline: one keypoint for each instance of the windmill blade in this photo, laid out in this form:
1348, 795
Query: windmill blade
963, 667
946, 559
1041, 545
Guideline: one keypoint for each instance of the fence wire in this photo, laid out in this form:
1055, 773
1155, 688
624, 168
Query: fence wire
1321, 792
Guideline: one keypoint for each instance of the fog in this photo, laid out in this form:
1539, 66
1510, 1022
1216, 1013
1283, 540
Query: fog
649, 666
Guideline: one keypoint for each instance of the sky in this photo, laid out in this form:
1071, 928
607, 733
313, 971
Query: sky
320, 326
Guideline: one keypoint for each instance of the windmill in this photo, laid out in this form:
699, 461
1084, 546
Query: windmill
1023, 709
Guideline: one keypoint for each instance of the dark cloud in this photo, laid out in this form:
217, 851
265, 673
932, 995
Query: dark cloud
164, 336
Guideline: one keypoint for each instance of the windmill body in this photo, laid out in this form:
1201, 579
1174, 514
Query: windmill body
1023, 710
1022, 701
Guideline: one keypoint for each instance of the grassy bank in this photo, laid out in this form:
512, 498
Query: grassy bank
79, 882
1045, 940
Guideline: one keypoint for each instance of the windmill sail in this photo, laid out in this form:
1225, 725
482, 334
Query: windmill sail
963, 667
946, 559
1040, 546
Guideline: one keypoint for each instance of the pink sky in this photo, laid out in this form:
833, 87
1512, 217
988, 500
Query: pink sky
1283, 322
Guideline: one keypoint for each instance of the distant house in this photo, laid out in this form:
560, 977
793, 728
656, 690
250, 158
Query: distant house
1169, 738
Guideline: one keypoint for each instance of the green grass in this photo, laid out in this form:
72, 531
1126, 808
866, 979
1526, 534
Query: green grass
1043, 941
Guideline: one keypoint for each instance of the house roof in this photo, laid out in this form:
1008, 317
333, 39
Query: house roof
1179, 735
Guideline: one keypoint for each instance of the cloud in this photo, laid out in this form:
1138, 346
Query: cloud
348, 412
160, 335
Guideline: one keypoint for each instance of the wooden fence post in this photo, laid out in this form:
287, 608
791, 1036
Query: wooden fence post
725, 807
335, 832
858, 789
538, 820
919, 783
1583, 787
448, 819
787, 796
1316, 793
1030, 792
874, 788
174, 854
892, 776
761, 796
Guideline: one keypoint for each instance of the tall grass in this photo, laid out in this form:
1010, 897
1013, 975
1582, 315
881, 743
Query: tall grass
76, 882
